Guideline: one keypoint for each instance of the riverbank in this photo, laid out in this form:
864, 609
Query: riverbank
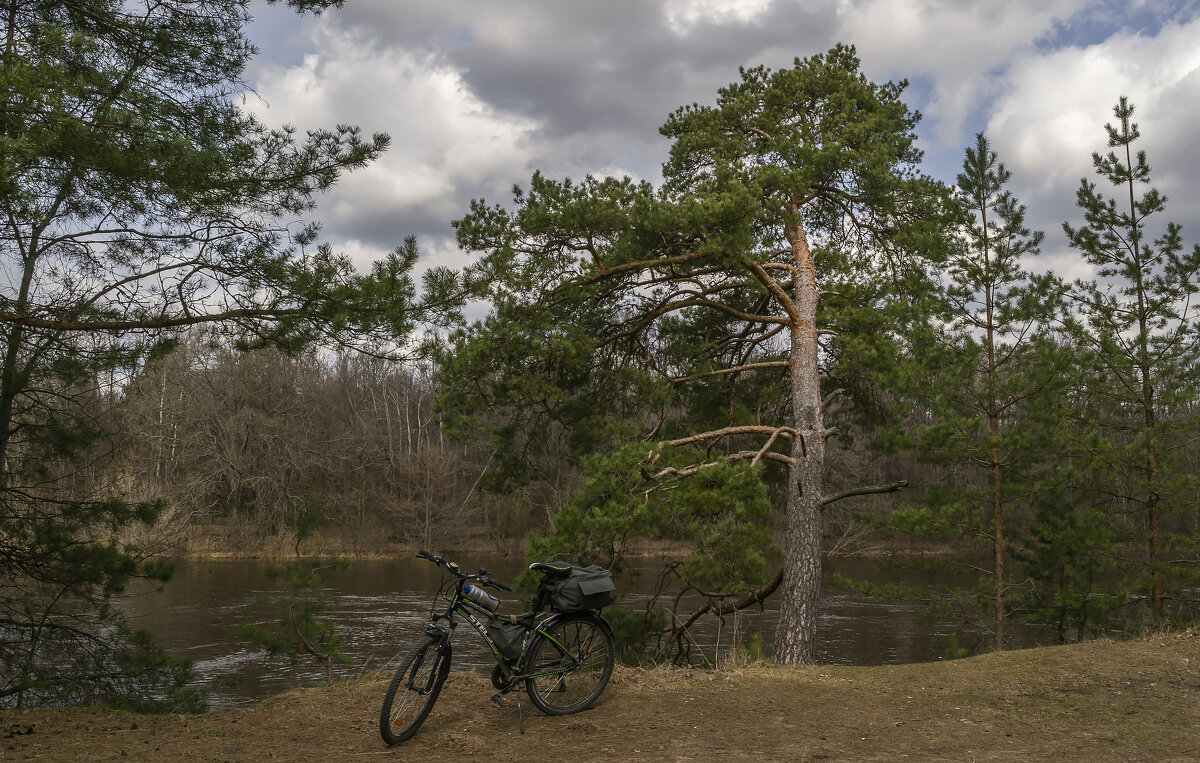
1132, 700
214, 542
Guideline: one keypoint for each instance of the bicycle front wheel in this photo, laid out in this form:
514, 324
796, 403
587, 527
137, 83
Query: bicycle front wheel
571, 660
414, 689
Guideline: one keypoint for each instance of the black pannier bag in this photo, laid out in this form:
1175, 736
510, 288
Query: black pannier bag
508, 637
581, 589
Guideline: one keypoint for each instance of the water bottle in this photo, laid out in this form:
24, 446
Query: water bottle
481, 597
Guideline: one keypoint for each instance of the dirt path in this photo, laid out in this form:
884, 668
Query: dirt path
1136, 700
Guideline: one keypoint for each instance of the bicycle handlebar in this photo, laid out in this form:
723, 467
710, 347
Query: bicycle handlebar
484, 579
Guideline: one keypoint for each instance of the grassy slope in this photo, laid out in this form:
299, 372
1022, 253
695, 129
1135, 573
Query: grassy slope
1136, 700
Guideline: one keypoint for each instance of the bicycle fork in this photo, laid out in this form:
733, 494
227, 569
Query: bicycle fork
439, 647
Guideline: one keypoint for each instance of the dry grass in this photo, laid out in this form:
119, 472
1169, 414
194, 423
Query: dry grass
1135, 700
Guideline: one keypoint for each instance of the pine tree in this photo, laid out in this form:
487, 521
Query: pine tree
988, 360
138, 199
303, 628
1138, 320
790, 234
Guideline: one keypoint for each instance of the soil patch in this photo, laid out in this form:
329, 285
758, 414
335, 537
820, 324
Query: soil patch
1133, 700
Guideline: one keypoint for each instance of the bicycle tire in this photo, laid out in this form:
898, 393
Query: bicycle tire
565, 682
418, 679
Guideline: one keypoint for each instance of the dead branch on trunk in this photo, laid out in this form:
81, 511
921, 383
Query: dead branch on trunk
675, 474
672, 474
716, 434
733, 370
868, 490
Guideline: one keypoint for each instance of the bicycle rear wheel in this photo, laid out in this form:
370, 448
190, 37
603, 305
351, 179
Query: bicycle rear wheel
571, 660
414, 689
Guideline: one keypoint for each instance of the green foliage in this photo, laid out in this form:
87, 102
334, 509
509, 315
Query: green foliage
724, 510
953, 651
1083, 580
691, 315
753, 649
122, 669
301, 629
820, 146
885, 592
987, 359
636, 633
1069, 451
65, 643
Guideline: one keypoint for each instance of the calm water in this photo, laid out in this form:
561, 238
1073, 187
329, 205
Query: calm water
383, 606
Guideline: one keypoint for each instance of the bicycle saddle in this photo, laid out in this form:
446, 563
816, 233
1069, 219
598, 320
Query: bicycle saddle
553, 569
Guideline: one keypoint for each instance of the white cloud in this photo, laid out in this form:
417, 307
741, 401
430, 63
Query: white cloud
435, 252
682, 15
958, 47
361, 253
444, 138
1051, 118
476, 96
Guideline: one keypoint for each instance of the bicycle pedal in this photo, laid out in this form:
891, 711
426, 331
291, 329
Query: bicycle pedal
498, 700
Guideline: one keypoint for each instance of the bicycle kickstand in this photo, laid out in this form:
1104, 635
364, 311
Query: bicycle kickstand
520, 712
498, 701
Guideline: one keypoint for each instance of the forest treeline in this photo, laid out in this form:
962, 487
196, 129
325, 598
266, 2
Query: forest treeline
247, 447
798, 344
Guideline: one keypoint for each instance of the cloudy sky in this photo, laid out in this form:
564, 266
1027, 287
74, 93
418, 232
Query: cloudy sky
477, 94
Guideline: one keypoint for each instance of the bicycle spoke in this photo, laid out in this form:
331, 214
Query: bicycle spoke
571, 664
413, 691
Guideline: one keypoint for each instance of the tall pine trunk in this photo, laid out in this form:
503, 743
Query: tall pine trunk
801, 590
1145, 368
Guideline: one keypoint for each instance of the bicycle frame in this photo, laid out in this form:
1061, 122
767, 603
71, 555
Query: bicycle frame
465, 608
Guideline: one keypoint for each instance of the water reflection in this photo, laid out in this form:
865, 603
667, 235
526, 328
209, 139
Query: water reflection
383, 606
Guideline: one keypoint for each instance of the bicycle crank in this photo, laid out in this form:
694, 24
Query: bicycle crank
499, 681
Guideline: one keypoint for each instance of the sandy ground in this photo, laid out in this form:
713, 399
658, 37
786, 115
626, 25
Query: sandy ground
1134, 700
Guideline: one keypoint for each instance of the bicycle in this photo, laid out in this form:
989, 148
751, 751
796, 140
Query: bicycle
564, 665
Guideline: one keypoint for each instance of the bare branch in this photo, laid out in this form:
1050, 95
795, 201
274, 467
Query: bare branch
831, 397
145, 324
766, 447
733, 370
772, 286
676, 474
745, 429
869, 490
749, 600
604, 271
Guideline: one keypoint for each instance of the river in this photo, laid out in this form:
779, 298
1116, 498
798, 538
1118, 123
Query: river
381, 607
